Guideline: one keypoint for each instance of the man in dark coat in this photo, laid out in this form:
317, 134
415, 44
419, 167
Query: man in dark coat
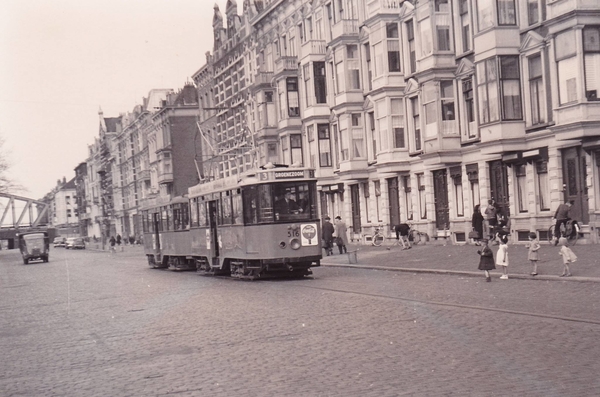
327, 230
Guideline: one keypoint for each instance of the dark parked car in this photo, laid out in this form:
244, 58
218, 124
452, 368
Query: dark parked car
59, 241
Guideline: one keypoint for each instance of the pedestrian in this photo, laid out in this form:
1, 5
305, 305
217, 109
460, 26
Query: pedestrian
112, 242
561, 216
119, 242
341, 238
502, 256
477, 224
568, 256
402, 231
328, 230
533, 255
486, 260
490, 219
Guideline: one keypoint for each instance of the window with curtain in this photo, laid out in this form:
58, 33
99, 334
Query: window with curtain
429, 95
292, 97
533, 12
458, 191
422, 201
487, 88
353, 67
393, 47
296, 149
520, 175
565, 53
378, 51
541, 168
469, 108
536, 90
380, 107
591, 54
465, 24
412, 54
407, 197
426, 39
320, 83
442, 25
307, 85
397, 114
324, 145
414, 105
344, 144
507, 14
510, 88
358, 150
485, 14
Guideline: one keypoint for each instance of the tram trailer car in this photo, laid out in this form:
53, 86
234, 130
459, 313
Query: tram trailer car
167, 241
262, 223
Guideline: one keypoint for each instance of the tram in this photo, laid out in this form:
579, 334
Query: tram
262, 223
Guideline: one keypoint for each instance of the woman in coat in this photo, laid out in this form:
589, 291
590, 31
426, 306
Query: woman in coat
477, 223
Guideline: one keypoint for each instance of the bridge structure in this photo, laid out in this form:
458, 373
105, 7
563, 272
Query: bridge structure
21, 214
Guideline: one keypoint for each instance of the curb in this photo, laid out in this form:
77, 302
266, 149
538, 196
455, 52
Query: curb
465, 273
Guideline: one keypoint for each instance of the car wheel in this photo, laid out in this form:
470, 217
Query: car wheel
25, 261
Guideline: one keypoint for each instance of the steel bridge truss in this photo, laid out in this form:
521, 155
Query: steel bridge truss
22, 205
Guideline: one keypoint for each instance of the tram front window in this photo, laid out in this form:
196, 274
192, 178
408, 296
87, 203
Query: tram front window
279, 202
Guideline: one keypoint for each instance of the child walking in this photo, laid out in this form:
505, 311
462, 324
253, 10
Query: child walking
567, 255
533, 256
502, 256
486, 260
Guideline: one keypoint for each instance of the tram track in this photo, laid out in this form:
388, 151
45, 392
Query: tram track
455, 305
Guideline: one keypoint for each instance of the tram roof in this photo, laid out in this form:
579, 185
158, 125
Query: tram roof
253, 177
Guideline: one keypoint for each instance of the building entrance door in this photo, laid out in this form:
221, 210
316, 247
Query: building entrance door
394, 201
440, 193
499, 186
574, 176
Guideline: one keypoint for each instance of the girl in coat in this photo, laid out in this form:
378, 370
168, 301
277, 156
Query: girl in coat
568, 256
533, 256
486, 260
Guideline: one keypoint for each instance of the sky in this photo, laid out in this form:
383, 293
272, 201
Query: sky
63, 60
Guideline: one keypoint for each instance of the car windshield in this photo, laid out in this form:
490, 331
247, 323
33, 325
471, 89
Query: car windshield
35, 236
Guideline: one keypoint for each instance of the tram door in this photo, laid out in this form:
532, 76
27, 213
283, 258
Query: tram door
214, 239
574, 176
155, 229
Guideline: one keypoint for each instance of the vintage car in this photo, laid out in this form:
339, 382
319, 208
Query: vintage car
59, 242
34, 245
75, 243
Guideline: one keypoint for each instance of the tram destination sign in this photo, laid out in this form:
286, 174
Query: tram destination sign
289, 174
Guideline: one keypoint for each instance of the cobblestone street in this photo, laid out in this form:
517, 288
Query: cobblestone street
92, 324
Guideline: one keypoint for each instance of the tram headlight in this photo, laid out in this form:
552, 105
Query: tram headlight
295, 244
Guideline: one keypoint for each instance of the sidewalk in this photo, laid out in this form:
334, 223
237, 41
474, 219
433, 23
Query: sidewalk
463, 260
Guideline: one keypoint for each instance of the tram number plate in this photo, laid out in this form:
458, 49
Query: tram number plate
294, 233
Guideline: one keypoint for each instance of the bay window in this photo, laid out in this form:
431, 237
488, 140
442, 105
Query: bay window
320, 83
426, 39
382, 121
410, 35
469, 106
533, 12
502, 76
307, 86
591, 53
541, 168
520, 174
442, 25
565, 53
416, 120
353, 67
510, 88
357, 136
296, 149
465, 24
292, 97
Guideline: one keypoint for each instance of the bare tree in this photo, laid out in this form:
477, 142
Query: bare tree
7, 185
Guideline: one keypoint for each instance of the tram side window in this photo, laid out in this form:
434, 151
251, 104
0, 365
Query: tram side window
202, 219
177, 217
250, 194
265, 201
185, 216
236, 201
145, 221
226, 208
164, 218
194, 212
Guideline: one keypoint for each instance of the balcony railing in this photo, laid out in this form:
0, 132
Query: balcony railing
165, 177
313, 47
263, 78
383, 7
144, 175
345, 27
286, 63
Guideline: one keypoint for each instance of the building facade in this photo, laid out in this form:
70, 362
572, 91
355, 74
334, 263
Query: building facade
414, 111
